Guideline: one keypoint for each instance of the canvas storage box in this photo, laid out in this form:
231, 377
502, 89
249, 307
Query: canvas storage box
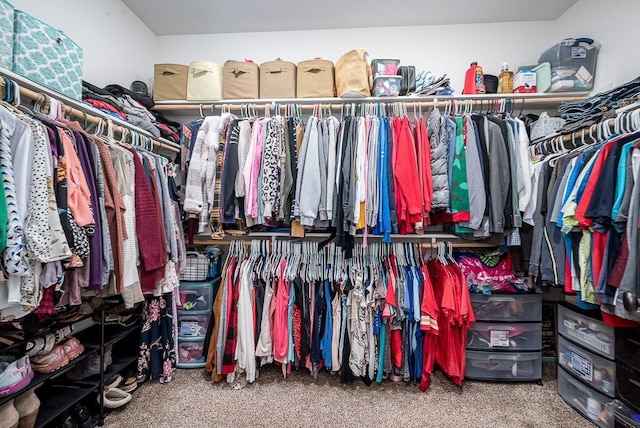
240, 80
353, 74
204, 81
277, 79
46, 56
7, 17
316, 79
170, 82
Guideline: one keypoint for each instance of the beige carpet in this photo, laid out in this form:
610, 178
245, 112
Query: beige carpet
192, 401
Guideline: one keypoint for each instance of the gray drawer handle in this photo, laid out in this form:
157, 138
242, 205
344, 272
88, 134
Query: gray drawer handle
635, 382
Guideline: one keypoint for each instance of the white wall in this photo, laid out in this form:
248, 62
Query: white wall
438, 48
118, 47
615, 25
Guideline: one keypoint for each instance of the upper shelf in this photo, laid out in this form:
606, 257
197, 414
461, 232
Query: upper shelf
536, 101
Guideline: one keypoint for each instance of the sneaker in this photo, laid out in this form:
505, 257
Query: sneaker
50, 362
73, 348
14, 374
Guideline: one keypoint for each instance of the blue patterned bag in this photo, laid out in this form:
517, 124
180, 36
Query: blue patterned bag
7, 16
47, 56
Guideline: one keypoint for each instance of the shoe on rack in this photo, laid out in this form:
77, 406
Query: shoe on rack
114, 398
27, 405
14, 374
67, 421
130, 385
82, 416
9, 416
73, 348
50, 362
114, 382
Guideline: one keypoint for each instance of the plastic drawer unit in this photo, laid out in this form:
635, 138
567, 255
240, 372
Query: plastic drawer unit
506, 307
628, 347
586, 401
597, 372
196, 296
504, 366
505, 336
587, 332
193, 325
191, 353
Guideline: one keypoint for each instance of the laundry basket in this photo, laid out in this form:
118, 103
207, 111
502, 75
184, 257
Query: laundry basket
197, 267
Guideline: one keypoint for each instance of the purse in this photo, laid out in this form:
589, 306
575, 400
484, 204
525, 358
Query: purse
277, 79
408, 83
204, 81
240, 80
170, 82
353, 74
316, 79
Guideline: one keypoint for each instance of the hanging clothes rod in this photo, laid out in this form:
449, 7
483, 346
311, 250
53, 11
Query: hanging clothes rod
516, 101
590, 132
33, 91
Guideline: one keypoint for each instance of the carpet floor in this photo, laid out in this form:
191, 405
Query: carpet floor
191, 401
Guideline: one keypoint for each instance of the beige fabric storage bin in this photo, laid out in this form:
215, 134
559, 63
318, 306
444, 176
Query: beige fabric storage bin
240, 80
316, 79
277, 79
204, 81
170, 82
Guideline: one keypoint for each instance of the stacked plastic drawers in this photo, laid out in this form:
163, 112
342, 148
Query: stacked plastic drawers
194, 314
586, 364
505, 344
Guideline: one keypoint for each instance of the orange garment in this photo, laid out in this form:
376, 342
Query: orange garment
78, 193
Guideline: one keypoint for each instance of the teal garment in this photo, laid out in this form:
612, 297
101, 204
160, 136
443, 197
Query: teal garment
381, 348
621, 178
459, 185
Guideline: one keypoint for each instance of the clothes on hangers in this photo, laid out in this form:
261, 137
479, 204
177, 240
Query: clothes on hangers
366, 174
85, 215
385, 313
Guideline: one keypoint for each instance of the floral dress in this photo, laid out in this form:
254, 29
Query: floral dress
157, 341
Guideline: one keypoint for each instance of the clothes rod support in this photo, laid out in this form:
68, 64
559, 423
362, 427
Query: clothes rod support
32, 91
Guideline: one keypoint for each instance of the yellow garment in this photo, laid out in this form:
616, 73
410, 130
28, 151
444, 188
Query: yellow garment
584, 260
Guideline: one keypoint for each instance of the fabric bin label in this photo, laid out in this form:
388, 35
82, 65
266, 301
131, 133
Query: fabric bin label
500, 338
582, 366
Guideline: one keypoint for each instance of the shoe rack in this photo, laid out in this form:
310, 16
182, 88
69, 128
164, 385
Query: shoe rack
59, 394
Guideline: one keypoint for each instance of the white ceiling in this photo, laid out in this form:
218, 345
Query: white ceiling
178, 17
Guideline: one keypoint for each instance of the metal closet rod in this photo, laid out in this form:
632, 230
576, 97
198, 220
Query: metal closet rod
79, 111
516, 101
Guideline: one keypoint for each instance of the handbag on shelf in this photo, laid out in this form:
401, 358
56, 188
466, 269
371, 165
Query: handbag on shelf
353, 74
277, 79
408, 82
316, 79
204, 81
240, 80
170, 82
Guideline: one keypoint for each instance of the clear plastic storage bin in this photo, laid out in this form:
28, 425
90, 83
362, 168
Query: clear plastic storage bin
507, 307
193, 325
384, 67
586, 401
625, 417
513, 337
504, 366
196, 296
597, 372
573, 64
386, 86
587, 332
191, 353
